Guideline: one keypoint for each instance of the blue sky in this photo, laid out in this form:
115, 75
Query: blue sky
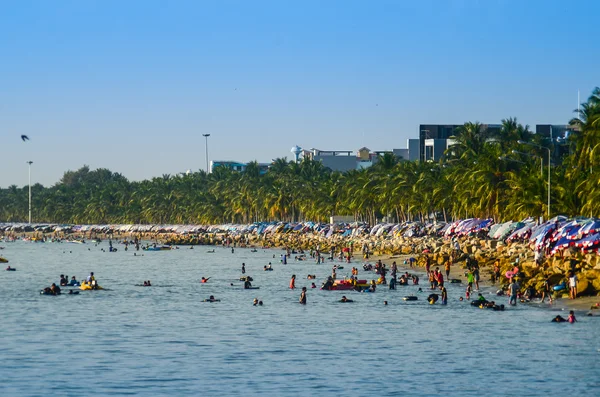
132, 85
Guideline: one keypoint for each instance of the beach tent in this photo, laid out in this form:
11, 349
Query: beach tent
590, 227
591, 240
521, 233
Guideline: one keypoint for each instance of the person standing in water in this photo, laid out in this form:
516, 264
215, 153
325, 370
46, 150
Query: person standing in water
293, 282
513, 288
243, 268
546, 291
303, 296
444, 295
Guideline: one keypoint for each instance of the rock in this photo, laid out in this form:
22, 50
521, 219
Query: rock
556, 279
583, 285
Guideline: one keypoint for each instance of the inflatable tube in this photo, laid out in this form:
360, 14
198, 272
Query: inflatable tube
42, 292
432, 298
88, 287
455, 281
211, 300
253, 288
3, 260
410, 298
560, 287
12, 269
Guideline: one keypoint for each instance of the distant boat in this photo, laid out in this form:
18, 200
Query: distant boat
161, 248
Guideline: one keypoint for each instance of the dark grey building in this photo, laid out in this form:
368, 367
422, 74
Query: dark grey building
552, 131
430, 140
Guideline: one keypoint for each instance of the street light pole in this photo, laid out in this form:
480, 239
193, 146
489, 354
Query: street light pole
549, 154
30, 162
532, 155
206, 145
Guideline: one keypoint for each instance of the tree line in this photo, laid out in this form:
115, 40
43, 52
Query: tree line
487, 174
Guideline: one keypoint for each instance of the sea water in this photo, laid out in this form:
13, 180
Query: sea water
164, 340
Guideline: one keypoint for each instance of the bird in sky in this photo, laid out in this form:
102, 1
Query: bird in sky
24, 138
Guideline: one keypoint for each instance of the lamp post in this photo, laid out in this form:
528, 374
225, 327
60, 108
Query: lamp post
549, 154
30, 162
206, 145
532, 155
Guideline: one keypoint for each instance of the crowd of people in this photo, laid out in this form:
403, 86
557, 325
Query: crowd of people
385, 276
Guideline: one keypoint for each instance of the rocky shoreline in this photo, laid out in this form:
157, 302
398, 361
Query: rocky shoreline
484, 251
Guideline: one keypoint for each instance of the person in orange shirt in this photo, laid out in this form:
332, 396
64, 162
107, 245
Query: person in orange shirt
293, 282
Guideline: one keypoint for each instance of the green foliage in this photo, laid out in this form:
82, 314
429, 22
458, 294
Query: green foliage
474, 179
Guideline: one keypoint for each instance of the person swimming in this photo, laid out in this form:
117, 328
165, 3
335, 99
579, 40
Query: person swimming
345, 300
211, 299
204, 280
313, 285
372, 287
55, 289
559, 319
255, 301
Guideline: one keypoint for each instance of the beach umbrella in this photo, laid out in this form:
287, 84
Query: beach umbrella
590, 240
593, 226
